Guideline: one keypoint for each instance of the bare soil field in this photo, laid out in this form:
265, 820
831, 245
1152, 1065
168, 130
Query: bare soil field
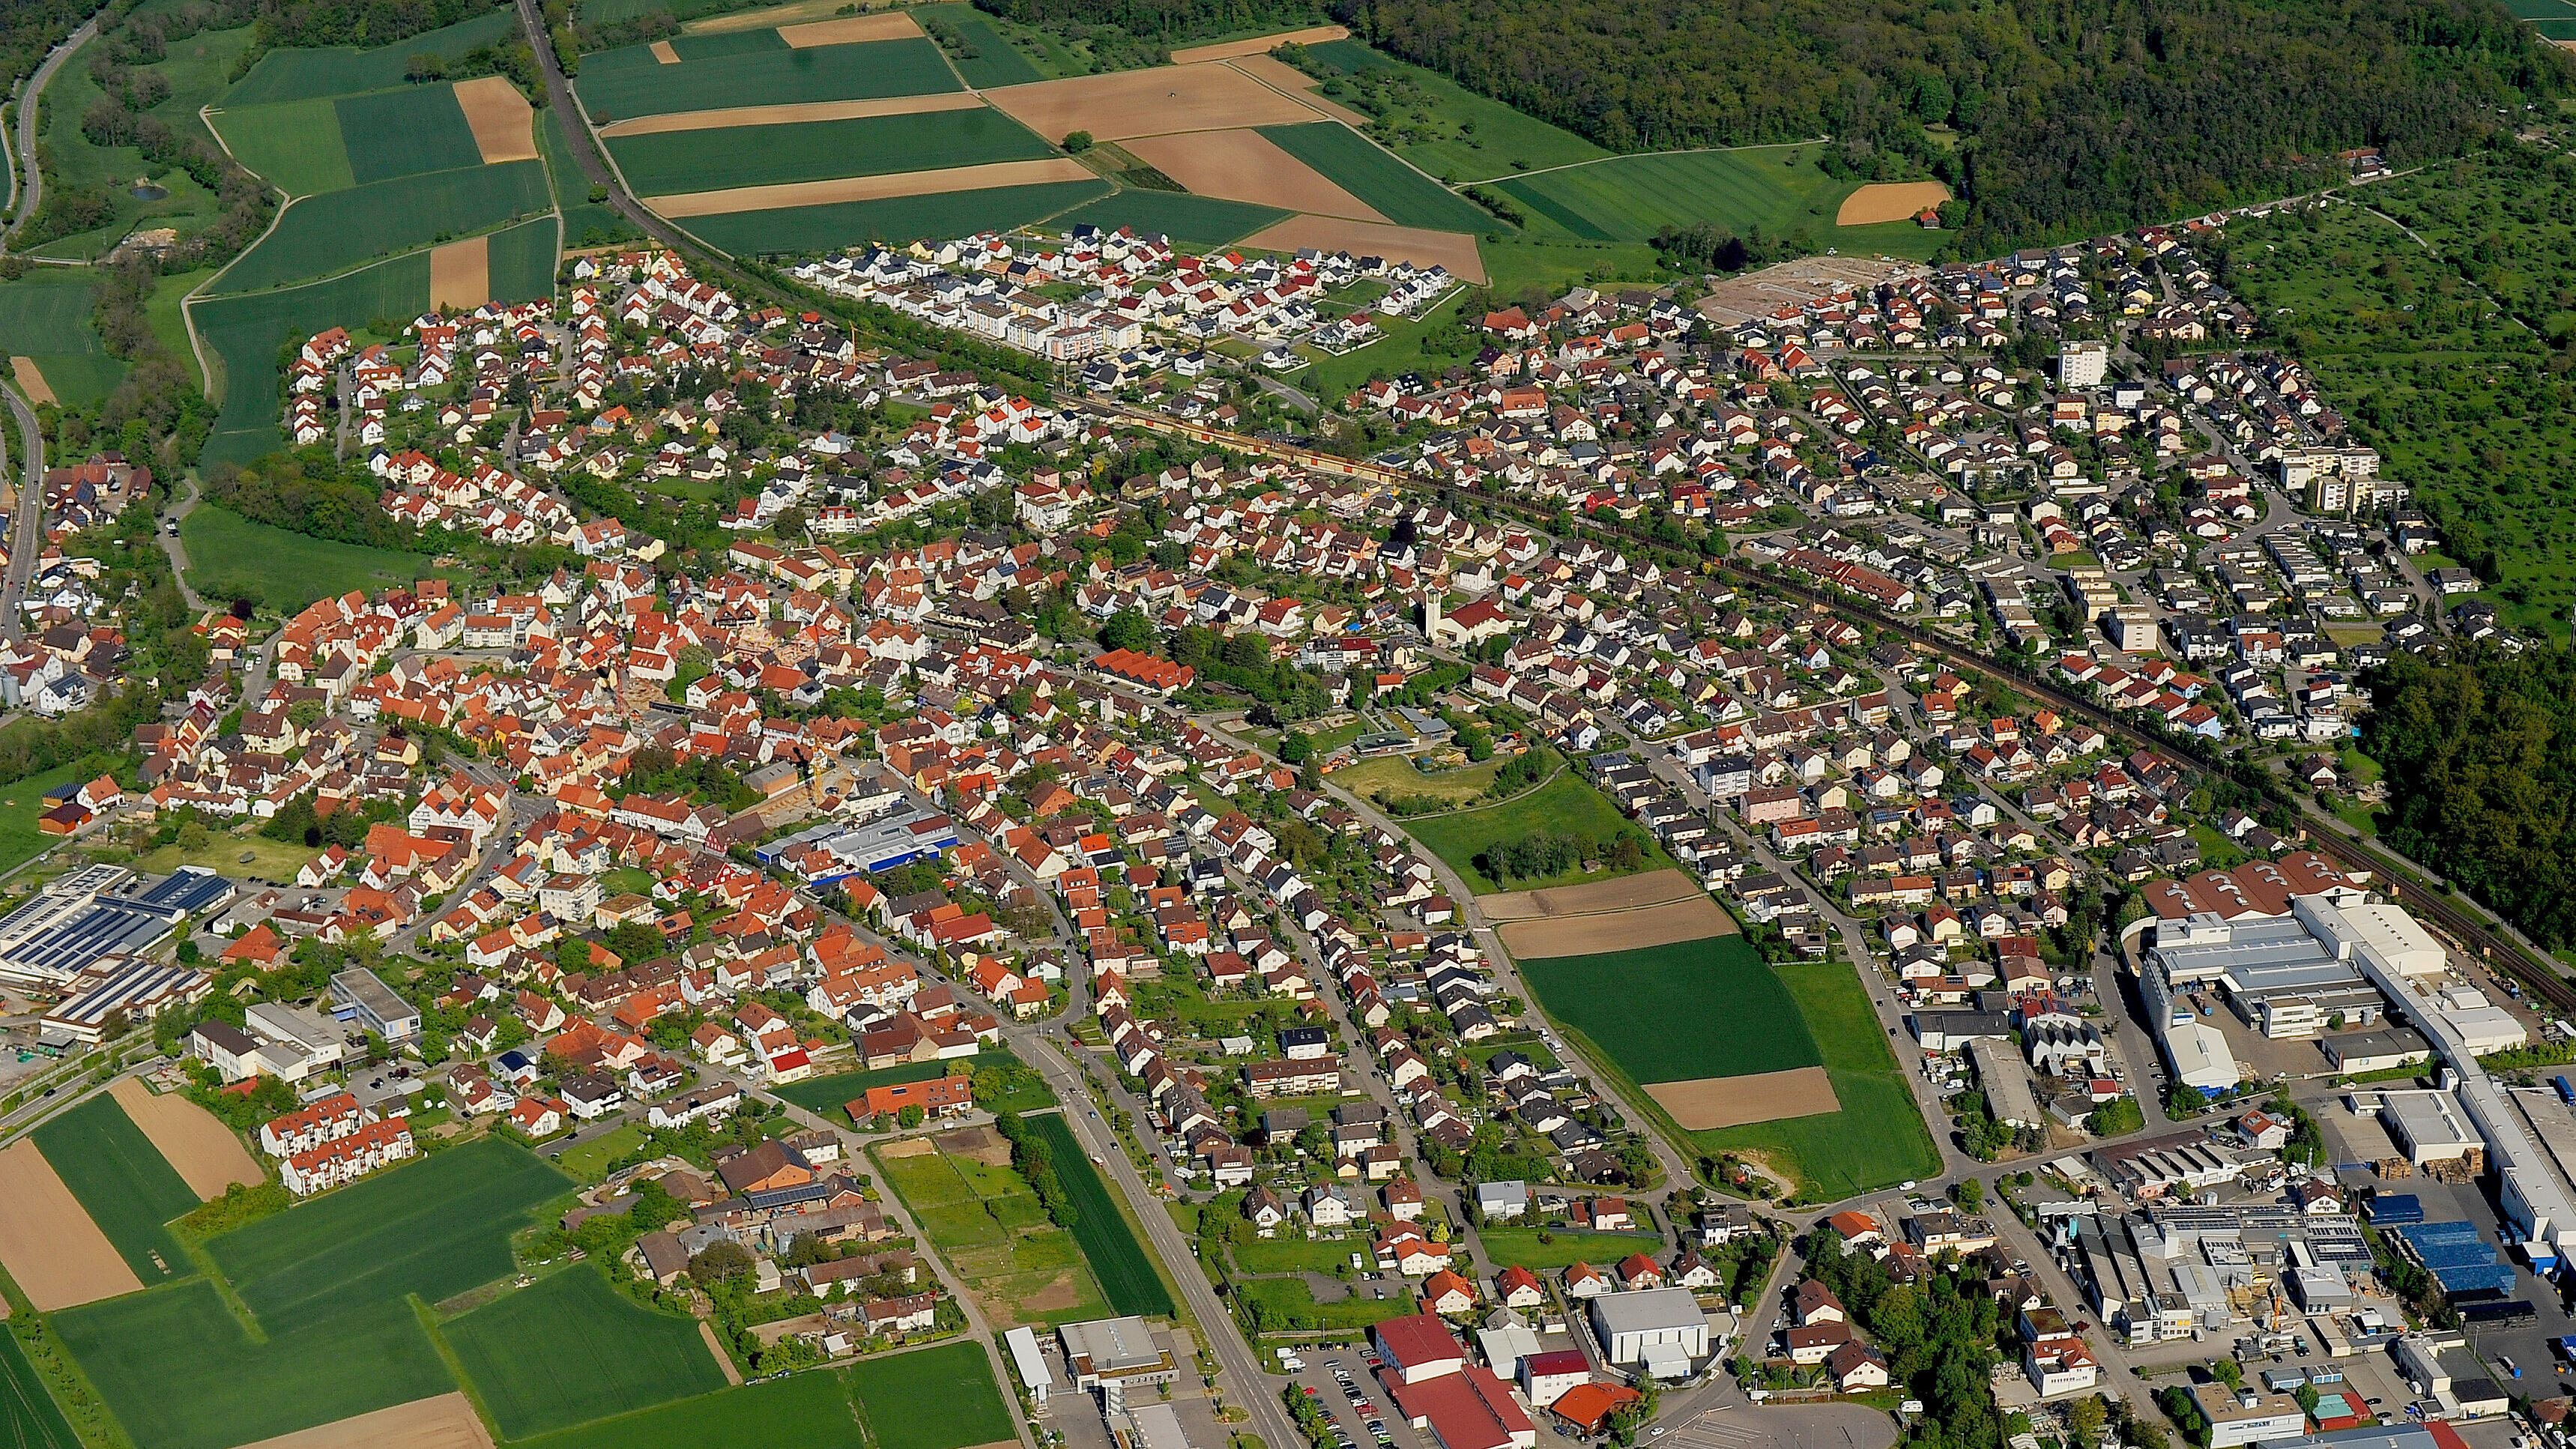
1451, 249
1247, 166
1761, 292
460, 274
976, 1143
1713, 1102
31, 381
48, 1243
1279, 75
445, 1422
504, 124
847, 29
908, 1147
868, 188
1121, 104
1696, 919
663, 52
789, 115
1259, 44
1889, 201
1653, 888
203, 1151
724, 1360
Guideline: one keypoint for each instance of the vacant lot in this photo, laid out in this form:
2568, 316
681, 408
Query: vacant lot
320, 236
407, 133
571, 1349
1564, 804
1654, 888
1690, 919
1152, 102
633, 82
228, 553
291, 75
1246, 165
1107, 1240
122, 1179
1396, 191
201, 1149
48, 1243
460, 274
1520, 1247
676, 162
1675, 1013
434, 1227
939, 1398
1889, 201
1453, 250
29, 1417
444, 1422
894, 219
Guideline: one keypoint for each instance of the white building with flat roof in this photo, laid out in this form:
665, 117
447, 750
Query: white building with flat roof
1029, 1362
1662, 1330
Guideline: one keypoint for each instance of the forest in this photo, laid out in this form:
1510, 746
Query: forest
2480, 750
2061, 117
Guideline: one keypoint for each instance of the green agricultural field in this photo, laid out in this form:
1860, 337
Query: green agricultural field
801, 229
1190, 221
29, 1417
571, 1349
50, 310
1368, 171
586, 223
621, 84
1440, 125
980, 53
21, 803
321, 236
434, 1227
123, 1181
405, 133
938, 1398
1520, 1247
670, 162
522, 266
1878, 1138
296, 146
242, 335
79, 378
230, 556
991, 1229
179, 1371
808, 1408
2541, 9
340, 70
1126, 1272
1564, 804
1707, 1008
1779, 189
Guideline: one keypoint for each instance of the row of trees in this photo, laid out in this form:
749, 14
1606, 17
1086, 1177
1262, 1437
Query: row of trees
1546, 853
1034, 1158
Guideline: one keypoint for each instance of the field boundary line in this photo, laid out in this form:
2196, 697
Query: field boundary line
1632, 155
195, 1248
446, 1352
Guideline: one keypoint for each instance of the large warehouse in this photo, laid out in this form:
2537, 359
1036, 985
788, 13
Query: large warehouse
1662, 1330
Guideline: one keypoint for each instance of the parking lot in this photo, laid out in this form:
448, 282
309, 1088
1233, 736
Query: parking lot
1342, 1382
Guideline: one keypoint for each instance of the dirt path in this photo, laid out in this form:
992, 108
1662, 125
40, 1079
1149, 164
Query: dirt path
724, 1360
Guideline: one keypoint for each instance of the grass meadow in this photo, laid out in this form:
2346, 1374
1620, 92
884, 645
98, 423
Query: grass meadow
195, 69
620, 84
669, 162
585, 222
21, 803
988, 1224
1454, 133
128, 1188
1520, 1247
980, 54
800, 229
570, 1349
340, 70
230, 556
1563, 804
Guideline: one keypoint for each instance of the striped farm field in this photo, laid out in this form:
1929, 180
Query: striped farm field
523, 261
1629, 198
320, 236
29, 1417
405, 133
618, 84
1118, 1260
1370, 172
790, 230
293, 145
341, 70
682, 161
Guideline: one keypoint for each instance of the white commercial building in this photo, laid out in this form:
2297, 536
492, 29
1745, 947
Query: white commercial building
1662, 1330
1029, 1362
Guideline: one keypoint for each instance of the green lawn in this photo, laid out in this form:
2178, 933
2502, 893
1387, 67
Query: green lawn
828, 1095
938, 1398
1396, 775
123, 1181
1878, 1138
1126, 1274
321, 236
734, 69
1298, 1255
571, 1349
1370, 172
941, 215
1707, 1008
179, 1372
1447, 130
1520, 1247
1190, 221
803, 1409
29, 1417
669, 162
1564, 804
434, 1227
21, 803
1293, 1302
406, 133
589, 1161
168, 326
296, 146
339, 70
228, 554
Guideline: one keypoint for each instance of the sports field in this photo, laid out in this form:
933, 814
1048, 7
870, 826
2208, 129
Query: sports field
895, 218
230, 556
730, 70
434, 1227
300, 74
1706, 1008
129, 1189
1125, 1271
179, 1371
570, 1349
1564, 804
671, 162
1359, 165
939, 1398
29, 1417
321, 236
1190, 221
988, 1224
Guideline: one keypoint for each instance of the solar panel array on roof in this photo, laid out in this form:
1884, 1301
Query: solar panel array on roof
191, 890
